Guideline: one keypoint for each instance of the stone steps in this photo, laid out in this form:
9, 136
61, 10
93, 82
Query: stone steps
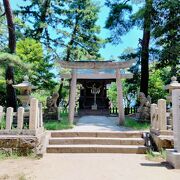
106, 134
96, 142
129, 149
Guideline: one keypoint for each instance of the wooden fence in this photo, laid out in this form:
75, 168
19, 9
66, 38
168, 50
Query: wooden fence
127, 110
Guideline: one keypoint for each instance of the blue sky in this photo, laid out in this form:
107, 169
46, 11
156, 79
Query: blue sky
128, 40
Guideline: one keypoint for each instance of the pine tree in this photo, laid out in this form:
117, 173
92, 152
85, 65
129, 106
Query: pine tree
81, 17
119, 24
11, 100
166, 33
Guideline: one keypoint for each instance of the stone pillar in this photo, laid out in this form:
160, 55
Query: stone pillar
1, 113
156, 119
33, 114
173, 155
153, 115
20, 118
120, 97
40, 115
9, 118
72, 98
162, 114
176, 118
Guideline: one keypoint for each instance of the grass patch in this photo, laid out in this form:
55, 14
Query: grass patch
15, 154
131, 123
55, 125
156, 156
2, 123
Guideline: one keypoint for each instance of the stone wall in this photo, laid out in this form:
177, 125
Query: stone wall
23, 138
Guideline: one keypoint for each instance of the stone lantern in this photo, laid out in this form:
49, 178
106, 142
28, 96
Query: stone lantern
25, 89
173, 85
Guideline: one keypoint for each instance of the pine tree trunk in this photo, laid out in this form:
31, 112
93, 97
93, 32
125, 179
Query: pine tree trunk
145, 48
11, 100
11, 28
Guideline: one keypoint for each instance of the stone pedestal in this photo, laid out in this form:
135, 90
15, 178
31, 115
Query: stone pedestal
173, 156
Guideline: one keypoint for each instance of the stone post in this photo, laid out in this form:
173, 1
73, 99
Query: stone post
20, 118
72, 98
120, 97
173, 155
1, 113
40, 115
162, 114
153, 114
176, 117
33, 114
9, 118
156, 119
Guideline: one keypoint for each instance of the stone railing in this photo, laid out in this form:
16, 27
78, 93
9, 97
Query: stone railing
34, 120
161, 120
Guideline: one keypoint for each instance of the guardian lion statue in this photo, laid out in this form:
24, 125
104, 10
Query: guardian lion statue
51, 102
143, 112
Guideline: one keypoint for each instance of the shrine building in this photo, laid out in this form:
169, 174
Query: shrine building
94, 77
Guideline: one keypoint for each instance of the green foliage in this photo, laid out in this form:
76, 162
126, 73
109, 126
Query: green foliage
30, 51
112, 94
16, 153
136, 125
80, 19
73, 22
3, 30
2, 92
117, 21
2, 123
55, 125
6, 58
156, 86
41, 95
166, 33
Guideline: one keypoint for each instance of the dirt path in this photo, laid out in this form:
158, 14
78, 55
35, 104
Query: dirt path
86, 167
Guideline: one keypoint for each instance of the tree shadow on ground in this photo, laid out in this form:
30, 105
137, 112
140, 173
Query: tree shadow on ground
161, 164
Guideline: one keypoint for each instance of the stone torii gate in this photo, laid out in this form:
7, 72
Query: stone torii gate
97, 65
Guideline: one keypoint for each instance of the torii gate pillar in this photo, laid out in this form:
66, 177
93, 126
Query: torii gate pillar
72, 99
120, 98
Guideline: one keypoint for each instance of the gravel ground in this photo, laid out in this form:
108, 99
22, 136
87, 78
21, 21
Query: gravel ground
98, 123
87, 167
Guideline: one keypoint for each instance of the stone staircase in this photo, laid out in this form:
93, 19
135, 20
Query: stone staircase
96, 142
